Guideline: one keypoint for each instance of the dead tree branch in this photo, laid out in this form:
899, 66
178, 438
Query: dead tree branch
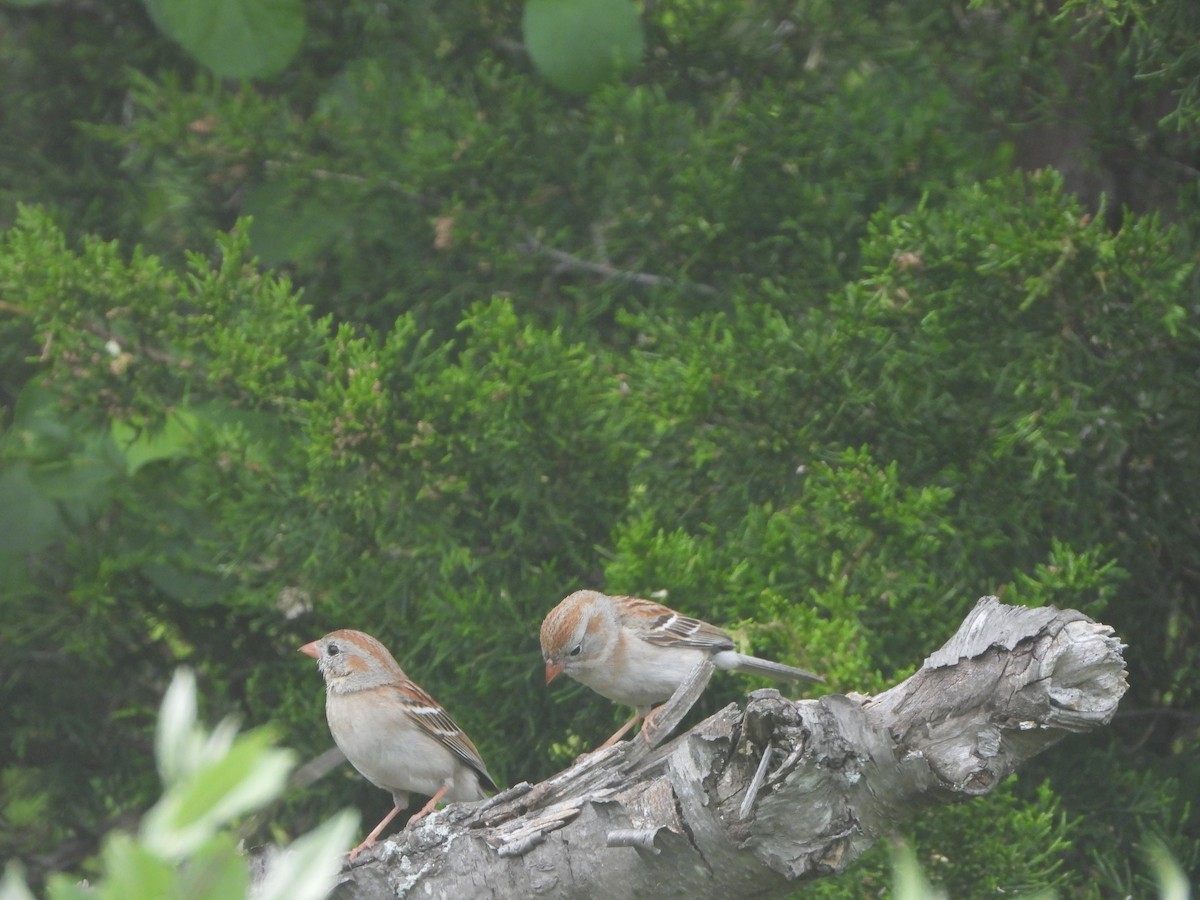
753, 801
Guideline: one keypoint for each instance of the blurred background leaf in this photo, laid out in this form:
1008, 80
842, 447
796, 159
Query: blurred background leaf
234, 38
578, 45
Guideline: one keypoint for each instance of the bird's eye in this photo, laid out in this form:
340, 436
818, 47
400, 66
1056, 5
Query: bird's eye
332, 650
576, 650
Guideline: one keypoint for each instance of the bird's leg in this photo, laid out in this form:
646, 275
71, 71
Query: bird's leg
663, 720
369, 842
638, 714
419, 814
648, 724
430, 806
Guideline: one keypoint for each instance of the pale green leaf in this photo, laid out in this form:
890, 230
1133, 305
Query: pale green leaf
1172, 880
908, 881
308, 868
12, 885
174, 740
216, 870
189, 813
132, 870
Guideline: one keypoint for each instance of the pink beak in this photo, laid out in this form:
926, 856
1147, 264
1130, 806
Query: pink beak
553, 670
311, 650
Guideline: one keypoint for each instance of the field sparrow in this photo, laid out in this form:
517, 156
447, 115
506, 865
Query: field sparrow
394, 733
637, 652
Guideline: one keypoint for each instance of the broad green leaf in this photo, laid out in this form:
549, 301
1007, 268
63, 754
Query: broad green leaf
67, 463
285, 227
140, 446
31, 519
38, 425
83, 482
199, 588
234, 38
578, 45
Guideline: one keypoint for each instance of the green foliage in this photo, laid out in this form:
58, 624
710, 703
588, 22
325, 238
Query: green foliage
1140, 804
120, 487
1010, 842
435, 164
185, 846
778, 324
808, 565
1056, 393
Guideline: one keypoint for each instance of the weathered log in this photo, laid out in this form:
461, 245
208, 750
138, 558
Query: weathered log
753, 801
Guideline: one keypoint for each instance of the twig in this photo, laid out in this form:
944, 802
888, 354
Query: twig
316, 768
672, 712
756, 782
638, 838
570, 263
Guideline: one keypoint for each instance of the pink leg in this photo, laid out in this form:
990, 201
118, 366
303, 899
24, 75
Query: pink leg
420, 814
620, 733
370, 839
648, 724
430, 806
638, 714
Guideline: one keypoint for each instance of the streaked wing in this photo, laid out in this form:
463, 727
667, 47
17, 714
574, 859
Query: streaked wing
658, 624
435, 721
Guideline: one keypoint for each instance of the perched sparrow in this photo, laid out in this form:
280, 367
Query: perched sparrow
393, 732
637, 652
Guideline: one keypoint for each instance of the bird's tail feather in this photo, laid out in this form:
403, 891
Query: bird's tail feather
752, 665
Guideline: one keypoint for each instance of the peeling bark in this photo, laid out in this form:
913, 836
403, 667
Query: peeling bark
753, 801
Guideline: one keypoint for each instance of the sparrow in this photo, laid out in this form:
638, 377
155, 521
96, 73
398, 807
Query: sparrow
637, 652
397, 736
